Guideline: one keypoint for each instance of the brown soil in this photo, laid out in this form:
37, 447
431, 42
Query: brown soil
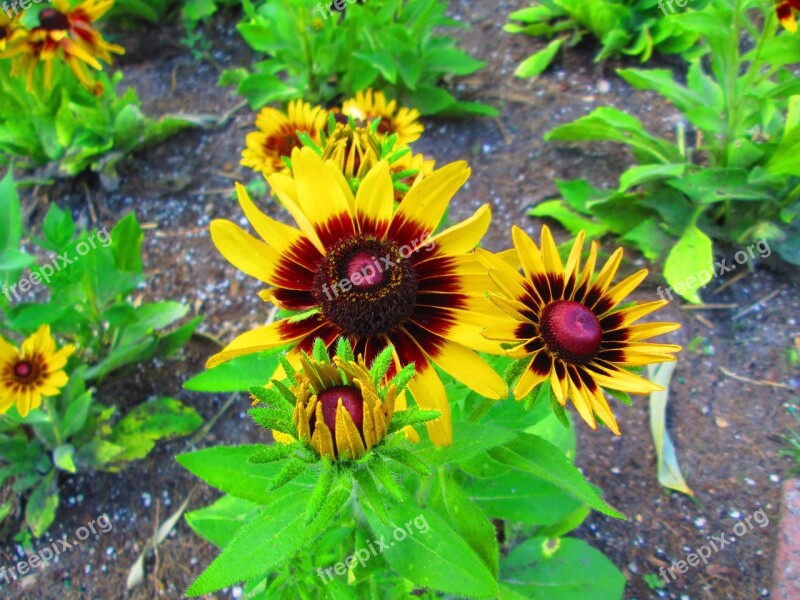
727, 432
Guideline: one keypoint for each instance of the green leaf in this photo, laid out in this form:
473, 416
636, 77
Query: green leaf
229, 469
469, 439
219, 522
40, 512
10, 214
646, 173
534, 455
568, 569
273, 418
538, 62
669, 472
321, 489
690, 264
126, 240
64, 458
469, 521
76, 414
238, 374
424, 549
575, 223
522, 497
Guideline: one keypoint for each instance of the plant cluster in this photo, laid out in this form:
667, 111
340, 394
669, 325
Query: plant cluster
51, 418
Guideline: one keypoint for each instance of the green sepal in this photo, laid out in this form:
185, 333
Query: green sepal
307, 141
380, 366
407, 459
321, 352
304, 315
368, 494
344, 350
271, 453
321, 489
541, 392
515, 370
289, 369
402, 378
381, 471
285, 392
411, 416
621, 396
290, 471
273, 418
559, 411
272, 397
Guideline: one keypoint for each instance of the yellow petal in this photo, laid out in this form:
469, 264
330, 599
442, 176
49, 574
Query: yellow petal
464, 236
245, 252
429, 394
466, 366
375, 199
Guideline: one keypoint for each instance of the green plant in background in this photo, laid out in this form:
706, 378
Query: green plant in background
632, 27
737, 183
399, 516
391, 45
90, 281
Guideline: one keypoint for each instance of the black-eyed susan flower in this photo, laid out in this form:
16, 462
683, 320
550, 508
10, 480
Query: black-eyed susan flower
66, 33
370, 105
371, 275
34, 371
409, 170
568, 329
10, 29
277, 135
785, 10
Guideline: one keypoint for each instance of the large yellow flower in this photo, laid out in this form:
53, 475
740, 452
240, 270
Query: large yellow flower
569, 327
373, 276
277, 135
35, 371
68, 33
368, 106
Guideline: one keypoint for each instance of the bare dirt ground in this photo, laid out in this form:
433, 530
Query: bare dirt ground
727, 431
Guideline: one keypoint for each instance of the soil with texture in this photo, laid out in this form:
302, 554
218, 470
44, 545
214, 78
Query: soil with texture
727, 429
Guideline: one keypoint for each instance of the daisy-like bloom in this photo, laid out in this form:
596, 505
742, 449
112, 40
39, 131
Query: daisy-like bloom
354, 150
371, 275
277, 135
568, 326
35, 371
68, 33
10, 29
785, 10
339, 410
368, 106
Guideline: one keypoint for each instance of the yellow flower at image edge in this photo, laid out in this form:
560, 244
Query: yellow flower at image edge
35, 371
64, 31
277, 135
341, 419
785, 10
373, 276
568, 328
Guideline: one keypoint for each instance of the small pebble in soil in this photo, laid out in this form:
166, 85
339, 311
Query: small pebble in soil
700, 522
87, 569
236, 592
774, 478
735, 514
632, 567
749, 481
615, 470
603, 86
147, 499
110, 551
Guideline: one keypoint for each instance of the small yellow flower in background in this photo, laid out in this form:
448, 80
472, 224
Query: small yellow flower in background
409, 162
10, 29
568, 328
67, 33
785, 10
35, 371
339, 410
277, 135
368, 106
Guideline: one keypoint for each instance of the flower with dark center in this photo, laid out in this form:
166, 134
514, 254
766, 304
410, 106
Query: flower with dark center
370, 105
569, 329
785, 10
372, 275
277, 135
10, 29
34, 371
68, 34
339, 410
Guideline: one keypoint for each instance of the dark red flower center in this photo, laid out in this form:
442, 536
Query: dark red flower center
25, 371
52, 20
366, 286
283, 143
352, 401
571, 331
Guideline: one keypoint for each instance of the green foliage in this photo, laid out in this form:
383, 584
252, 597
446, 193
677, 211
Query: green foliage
86, 296
392, 45
740, 184
71, 129
632, 27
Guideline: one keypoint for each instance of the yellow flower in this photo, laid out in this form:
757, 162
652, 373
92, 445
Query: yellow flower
67, 33
372, 275
10, 29
277, 135
368, 106
339, 410
409, 162
568, 327
785, 10
354, 150
35, 371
